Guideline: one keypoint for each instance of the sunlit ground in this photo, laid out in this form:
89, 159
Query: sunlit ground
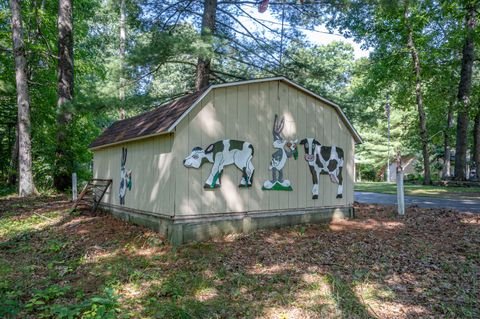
53, 264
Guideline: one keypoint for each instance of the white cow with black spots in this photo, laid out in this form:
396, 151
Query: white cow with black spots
325, 160
221, 154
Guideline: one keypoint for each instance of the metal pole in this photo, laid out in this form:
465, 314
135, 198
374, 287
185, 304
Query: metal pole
387, 110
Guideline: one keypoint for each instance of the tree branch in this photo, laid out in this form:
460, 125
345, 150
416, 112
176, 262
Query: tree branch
180, 11
248, 50
229, 74
6, 50
249, 34
254, 65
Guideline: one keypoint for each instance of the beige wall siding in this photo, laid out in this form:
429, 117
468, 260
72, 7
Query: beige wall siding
162, 185
246, 112
150, 161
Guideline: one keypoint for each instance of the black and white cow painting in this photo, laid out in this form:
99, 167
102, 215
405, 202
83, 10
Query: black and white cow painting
324, 160
221, 154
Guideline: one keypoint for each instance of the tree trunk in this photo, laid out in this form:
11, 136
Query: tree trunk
123, 40
447, 152
476, 145
26, 186
420, 107
463, 96
12, 174
64, 160
208, 27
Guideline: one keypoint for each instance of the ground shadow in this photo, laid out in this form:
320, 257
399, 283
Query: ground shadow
423, 265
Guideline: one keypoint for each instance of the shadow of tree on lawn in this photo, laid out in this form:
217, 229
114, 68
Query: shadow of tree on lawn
362, 268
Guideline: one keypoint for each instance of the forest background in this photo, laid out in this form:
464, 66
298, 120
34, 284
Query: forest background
69, 69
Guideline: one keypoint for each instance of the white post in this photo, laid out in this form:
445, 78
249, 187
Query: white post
400, 194
74, 186
387, 110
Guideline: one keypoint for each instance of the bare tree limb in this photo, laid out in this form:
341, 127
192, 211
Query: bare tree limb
229, 74
6, 50
245, 48
248, 33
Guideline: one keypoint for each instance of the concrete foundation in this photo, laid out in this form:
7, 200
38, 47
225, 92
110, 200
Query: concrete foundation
183, 229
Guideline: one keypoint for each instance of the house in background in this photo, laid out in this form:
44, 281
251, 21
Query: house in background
408, 164
232, 157
412, 167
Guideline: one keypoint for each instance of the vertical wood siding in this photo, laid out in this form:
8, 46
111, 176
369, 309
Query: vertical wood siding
151, 163
246, 112
162, 185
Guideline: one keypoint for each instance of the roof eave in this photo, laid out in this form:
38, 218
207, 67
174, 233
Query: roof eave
170, 130
215, 86
95, 148
356, 136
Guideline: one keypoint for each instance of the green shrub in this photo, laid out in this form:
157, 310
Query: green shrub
47, 304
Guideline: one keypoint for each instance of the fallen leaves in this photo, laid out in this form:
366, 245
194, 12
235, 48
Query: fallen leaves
377, 265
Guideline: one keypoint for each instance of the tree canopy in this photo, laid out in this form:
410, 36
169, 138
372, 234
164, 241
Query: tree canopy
131, 56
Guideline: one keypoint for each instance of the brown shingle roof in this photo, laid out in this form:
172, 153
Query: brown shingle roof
153, 122
164, 118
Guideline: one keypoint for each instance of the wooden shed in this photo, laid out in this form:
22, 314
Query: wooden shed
232, 157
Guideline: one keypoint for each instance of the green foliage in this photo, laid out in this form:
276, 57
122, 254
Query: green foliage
418, 190
7, 190
44, 304
120, 271
327, 69
164, 43
41, 298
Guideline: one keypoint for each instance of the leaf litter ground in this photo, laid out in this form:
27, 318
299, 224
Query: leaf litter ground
377, 265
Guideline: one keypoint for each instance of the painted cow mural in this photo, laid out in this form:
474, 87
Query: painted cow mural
324, 160
125, 177
221, 154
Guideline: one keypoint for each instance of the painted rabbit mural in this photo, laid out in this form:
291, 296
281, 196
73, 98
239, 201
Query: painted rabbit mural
284, 150
125, 177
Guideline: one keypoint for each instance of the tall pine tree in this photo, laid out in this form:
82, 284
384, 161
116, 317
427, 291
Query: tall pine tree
26, 186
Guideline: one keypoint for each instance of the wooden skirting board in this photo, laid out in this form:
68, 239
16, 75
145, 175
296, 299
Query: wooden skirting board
183, 229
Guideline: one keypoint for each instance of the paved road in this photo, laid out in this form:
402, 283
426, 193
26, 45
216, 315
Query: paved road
463, 205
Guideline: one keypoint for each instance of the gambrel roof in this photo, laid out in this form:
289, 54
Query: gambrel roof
164, 119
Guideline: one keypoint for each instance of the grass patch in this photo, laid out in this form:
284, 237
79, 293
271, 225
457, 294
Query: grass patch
419, 190
12, 225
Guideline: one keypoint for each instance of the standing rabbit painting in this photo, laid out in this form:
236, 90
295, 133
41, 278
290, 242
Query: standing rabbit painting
284, 151
125, 178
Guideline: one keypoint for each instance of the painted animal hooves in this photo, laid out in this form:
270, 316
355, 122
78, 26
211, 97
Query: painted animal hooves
207, 186
315, 197
339, 196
